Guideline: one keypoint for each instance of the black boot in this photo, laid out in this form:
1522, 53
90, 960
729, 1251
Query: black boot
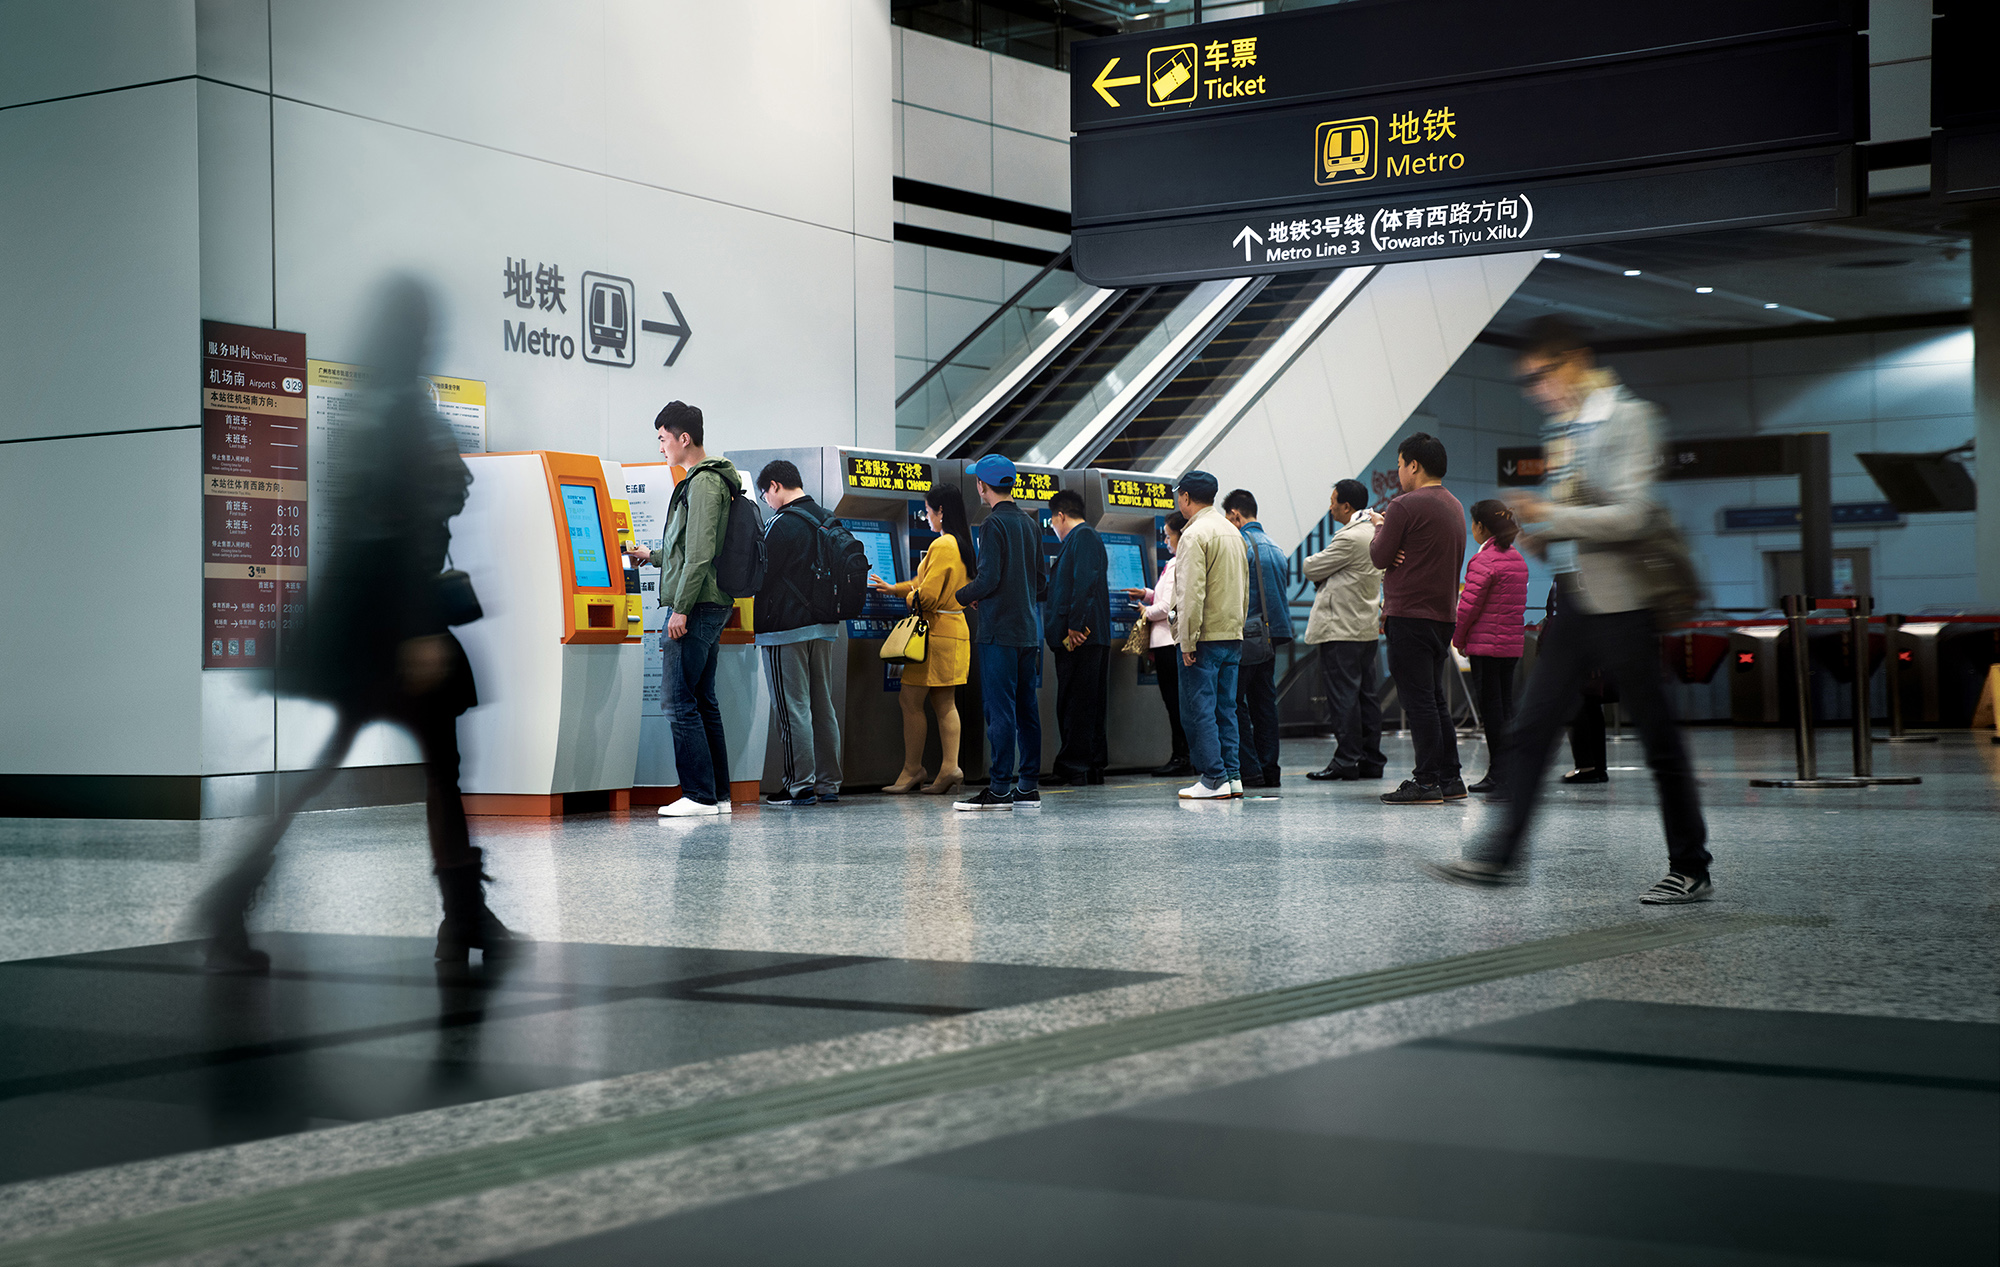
220, 916
468, 925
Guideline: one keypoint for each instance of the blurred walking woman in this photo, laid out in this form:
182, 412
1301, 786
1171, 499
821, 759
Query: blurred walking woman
1490, 628
1156, 604
947, 565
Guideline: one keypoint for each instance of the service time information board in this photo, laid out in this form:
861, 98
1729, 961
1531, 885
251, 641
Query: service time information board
253, 483
888, 475
1034, 486
1139, 494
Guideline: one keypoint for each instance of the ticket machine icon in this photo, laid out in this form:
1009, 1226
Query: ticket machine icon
1171, 75
1344, 151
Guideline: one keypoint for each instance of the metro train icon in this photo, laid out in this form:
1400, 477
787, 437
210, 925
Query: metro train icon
608, 304
1344, 151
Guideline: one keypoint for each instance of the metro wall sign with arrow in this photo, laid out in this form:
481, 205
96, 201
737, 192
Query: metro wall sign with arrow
604, 306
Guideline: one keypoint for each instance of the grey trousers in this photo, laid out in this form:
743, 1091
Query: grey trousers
800, 675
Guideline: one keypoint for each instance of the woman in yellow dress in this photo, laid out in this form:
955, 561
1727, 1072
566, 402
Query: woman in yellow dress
947, 564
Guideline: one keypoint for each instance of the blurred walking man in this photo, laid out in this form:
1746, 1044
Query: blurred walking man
377, 644
1600, 446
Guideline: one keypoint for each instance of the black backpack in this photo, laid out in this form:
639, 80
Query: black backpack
839, 570
740, 558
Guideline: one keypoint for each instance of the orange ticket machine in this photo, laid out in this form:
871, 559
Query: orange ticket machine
557, 656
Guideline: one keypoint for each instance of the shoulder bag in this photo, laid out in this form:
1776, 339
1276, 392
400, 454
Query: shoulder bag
1257, 648
909, 639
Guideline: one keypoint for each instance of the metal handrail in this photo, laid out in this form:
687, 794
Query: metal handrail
981, 328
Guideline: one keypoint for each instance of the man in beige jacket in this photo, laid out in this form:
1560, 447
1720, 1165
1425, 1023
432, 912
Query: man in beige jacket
1212, 583
1343, 625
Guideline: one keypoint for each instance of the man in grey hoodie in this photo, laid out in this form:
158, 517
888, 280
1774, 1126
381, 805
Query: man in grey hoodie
1600, 448
697, 516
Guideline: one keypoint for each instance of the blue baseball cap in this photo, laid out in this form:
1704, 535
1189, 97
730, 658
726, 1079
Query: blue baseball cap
1199, 485
992, 470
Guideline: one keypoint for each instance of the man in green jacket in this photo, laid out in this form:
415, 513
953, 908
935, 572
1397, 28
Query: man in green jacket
698, 609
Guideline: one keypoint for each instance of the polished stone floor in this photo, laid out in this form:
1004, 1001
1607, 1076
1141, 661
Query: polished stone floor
1822, 1086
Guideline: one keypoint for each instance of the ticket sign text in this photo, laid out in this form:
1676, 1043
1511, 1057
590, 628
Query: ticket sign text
1139, 494
889, 476
1330, 53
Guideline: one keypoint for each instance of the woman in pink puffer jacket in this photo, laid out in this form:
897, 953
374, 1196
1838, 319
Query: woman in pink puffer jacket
1490, 629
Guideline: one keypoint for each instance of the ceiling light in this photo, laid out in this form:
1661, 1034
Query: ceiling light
1552, 255
1770, 305
1631, 272
1704, 290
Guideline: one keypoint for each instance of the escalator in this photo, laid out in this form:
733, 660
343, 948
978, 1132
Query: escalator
1153, 429
1067, 374
1074, 381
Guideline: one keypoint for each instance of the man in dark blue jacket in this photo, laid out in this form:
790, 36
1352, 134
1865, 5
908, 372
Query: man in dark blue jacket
1270, 598
1079, 632
1008, 641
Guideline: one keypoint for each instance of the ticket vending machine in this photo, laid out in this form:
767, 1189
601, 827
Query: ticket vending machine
1129, 509
557, 654
878, 496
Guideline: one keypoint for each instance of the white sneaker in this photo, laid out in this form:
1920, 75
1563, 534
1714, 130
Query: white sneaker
688, 807
1236, 788
724, 806
1199, 791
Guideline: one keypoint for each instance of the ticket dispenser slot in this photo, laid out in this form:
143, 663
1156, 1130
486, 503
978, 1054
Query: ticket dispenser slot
1128, 509
635, 604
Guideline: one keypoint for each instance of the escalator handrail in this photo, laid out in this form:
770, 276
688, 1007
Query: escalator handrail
1075, 362
1005, 307
1160, 375
1248, 389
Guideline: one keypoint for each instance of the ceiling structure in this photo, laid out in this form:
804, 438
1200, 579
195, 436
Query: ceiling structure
1907, 257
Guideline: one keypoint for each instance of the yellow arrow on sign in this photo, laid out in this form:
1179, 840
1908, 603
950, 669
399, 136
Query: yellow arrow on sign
1104, 82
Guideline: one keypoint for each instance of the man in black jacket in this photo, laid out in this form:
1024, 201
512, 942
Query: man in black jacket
1079, 632
797, 650
1008, 644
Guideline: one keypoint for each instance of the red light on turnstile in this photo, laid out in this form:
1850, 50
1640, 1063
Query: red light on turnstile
1746, 657
1903, 656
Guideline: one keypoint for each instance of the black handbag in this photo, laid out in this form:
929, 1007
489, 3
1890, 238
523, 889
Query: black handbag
457, 599
1257, 648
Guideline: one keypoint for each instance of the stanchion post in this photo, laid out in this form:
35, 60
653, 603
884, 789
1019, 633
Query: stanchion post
1857, 637
1797, 607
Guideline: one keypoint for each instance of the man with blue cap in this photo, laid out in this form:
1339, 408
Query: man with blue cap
1212, 583
1008, 645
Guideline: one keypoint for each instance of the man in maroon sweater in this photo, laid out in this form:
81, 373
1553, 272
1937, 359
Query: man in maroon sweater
1420, 544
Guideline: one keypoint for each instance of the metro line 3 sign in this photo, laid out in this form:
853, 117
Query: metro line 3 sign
1492, 128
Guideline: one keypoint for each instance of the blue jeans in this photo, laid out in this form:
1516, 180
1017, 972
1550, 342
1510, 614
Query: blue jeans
1007, 678
1208, 710
688, 683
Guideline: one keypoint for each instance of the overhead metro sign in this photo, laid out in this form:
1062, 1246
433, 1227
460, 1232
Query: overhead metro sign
1322, 168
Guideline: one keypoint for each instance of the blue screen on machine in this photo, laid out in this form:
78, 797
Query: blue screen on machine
589, 569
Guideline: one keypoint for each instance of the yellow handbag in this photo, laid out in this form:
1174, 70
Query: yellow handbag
908, 640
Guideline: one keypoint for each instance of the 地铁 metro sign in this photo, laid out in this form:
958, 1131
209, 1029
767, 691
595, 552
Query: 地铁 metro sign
1296, 142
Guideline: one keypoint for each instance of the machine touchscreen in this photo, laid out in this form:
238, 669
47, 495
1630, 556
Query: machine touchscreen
1127, 564
589, 569
879, 540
